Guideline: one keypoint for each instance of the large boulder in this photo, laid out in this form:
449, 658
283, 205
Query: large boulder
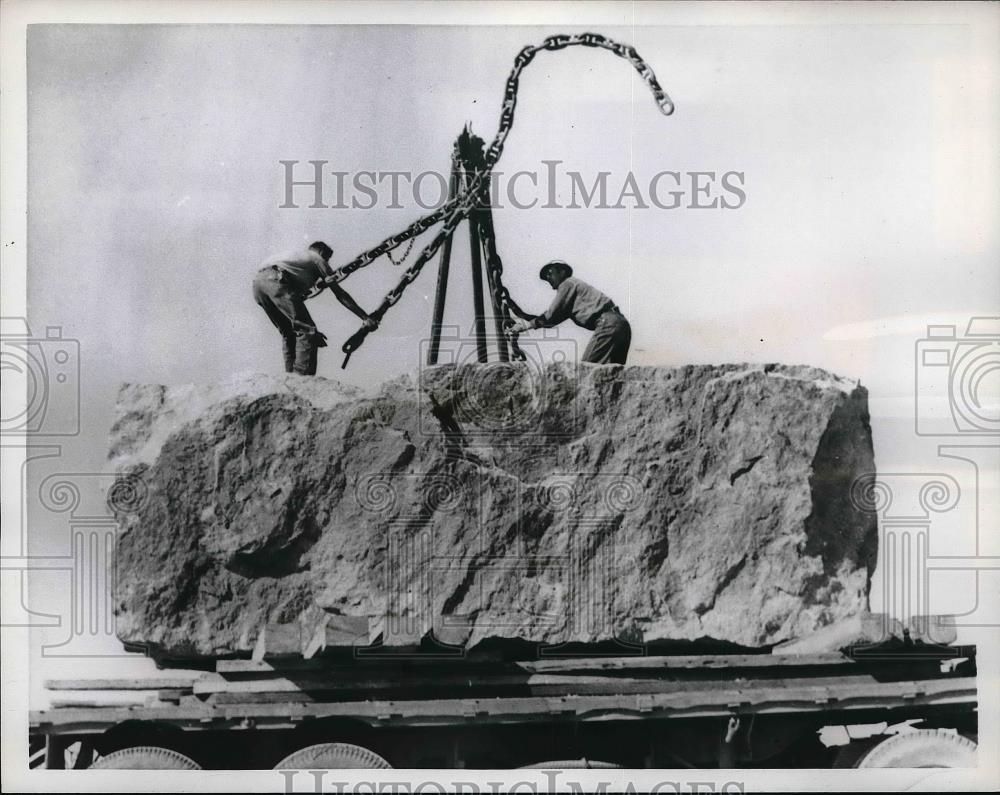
494, 501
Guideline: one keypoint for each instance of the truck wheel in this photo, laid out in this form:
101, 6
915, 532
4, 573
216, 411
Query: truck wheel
331, 755
145, 757
850, 755
573, 764
922, 748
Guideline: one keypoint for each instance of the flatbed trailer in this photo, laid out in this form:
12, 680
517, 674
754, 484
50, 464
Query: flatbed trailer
725, 710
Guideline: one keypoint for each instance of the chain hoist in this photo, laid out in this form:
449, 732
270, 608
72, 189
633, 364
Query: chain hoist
456, 210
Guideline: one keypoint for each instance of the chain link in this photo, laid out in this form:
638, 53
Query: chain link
406, 253
456, 210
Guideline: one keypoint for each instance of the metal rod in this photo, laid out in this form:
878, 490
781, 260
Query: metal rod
441, 292
55, 752
477, 287
85, 757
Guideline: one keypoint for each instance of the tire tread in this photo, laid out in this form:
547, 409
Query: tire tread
319, 756
894, 750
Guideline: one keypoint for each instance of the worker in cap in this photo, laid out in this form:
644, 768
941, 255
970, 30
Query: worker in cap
587, 307
281, 288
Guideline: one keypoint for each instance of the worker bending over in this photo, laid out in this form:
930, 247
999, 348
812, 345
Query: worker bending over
281, 288
587, 307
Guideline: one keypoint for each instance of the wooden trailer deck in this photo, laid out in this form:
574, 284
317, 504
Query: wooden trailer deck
241, 694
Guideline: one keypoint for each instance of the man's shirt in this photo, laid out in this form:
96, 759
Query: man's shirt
577, 301
303, 269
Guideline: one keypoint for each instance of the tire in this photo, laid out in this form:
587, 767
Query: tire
574, 764
850, 755
145, 757
332, 756
922, 748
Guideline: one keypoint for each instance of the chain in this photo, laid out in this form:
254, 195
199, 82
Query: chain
463, 204
406, 253
454, 211
416, 228
560, 42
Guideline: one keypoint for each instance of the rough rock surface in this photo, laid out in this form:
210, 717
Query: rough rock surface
637, 503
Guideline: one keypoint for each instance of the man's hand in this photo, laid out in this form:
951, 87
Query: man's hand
369, 324
306, 331
520, 326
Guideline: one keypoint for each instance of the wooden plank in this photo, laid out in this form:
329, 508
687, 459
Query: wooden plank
557, 664
549, 686
59, 703
368, 685
264, 698
152, 683
799, 698
703, 662
263, 666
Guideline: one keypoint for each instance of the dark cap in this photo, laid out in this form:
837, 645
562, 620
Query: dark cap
322, 249
556, 263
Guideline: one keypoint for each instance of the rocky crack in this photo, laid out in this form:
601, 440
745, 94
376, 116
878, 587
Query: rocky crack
747, 466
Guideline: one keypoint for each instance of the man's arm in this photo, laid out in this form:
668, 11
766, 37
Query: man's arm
559, 310
327, 277
350, 303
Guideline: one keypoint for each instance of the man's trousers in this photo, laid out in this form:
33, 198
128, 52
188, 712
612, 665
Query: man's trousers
287, 311
610, 341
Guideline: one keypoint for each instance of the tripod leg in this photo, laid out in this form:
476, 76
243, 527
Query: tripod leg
477, 287
485, 227
442, 281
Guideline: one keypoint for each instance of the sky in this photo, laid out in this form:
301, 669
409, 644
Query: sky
868, 156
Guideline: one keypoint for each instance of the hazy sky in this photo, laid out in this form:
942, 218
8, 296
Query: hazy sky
868, 155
